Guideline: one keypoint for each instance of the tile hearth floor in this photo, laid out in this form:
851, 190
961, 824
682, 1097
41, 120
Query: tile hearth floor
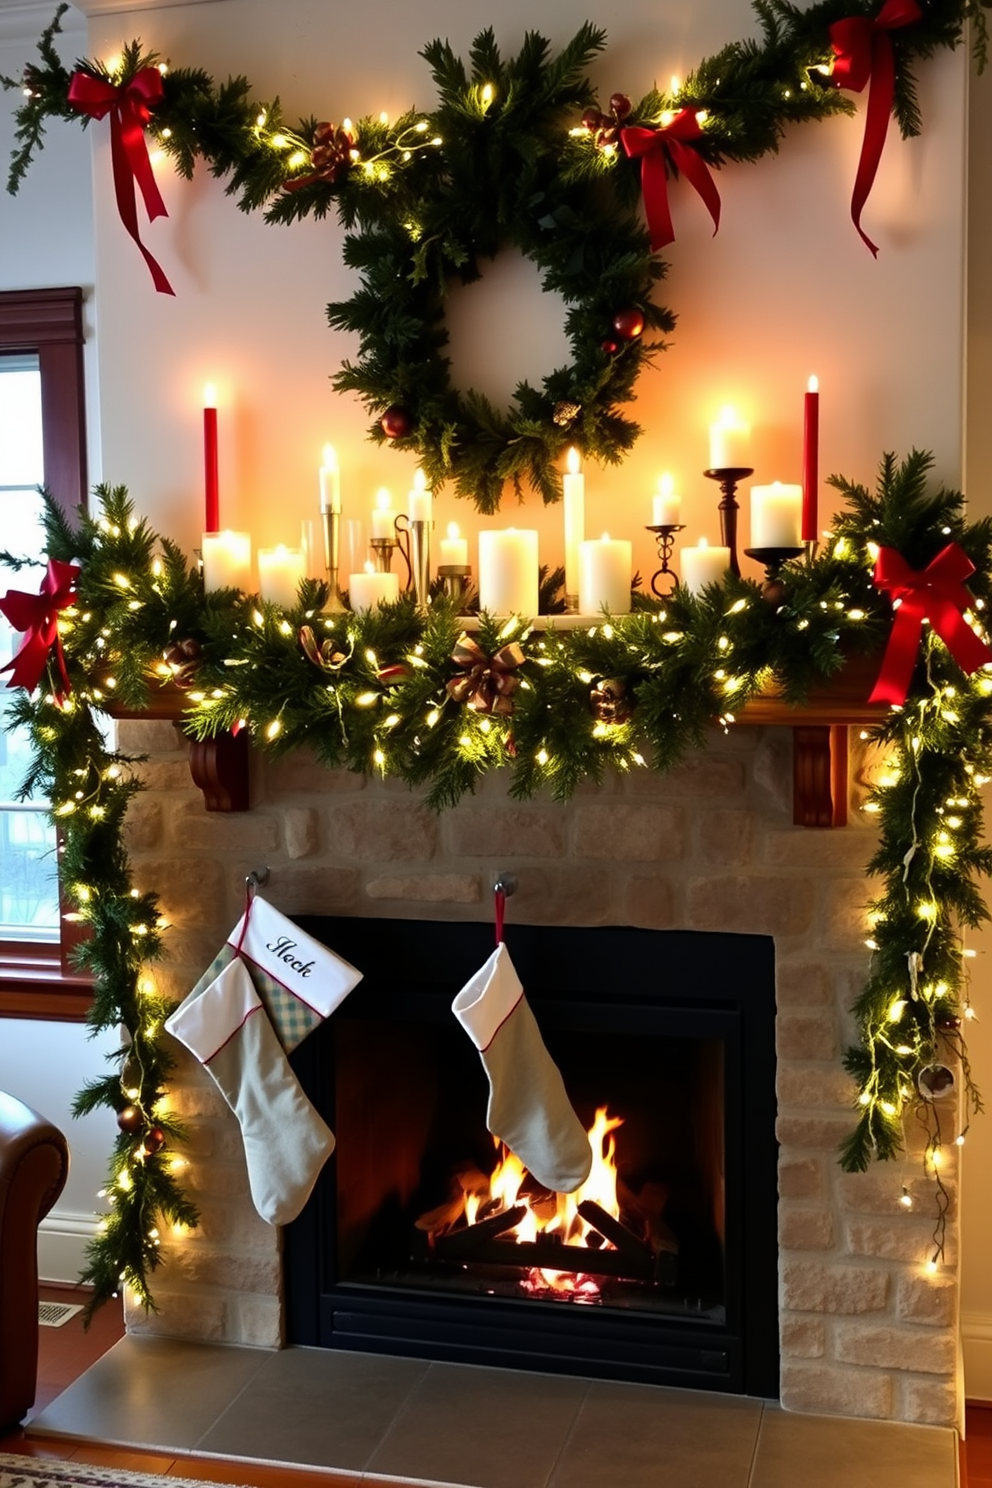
461, 1426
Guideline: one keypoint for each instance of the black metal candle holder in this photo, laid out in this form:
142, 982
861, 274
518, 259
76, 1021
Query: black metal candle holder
728, 478
665, 538
771, 560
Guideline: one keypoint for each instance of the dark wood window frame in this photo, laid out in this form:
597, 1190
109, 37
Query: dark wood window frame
36, 981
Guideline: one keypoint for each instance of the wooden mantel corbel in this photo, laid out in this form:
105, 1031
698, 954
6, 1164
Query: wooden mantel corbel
820, 738
219, 767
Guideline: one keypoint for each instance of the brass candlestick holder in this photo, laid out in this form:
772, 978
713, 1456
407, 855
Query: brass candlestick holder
455, 577
665, 538
772, 559
728, 479
417, 554
331, 523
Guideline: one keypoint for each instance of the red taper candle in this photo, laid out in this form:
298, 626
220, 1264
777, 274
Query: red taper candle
811, 457
211, 483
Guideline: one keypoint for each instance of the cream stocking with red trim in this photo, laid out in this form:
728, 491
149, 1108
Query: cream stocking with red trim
529, 1109
286, 1141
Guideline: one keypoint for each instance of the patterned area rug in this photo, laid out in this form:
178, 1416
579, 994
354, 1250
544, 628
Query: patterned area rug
48, 1472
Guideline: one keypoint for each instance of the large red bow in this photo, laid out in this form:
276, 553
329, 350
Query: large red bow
656, 147
130, 108
38, 615
935, 593
863, 53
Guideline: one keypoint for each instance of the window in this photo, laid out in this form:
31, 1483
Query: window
42, 441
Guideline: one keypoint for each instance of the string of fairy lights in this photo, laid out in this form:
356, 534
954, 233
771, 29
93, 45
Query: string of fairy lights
387, 691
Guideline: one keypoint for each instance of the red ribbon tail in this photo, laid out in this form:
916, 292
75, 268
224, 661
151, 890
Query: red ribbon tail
880, 97
124, 182
900, 654
657, 208
28, 665
697, 173
136, 150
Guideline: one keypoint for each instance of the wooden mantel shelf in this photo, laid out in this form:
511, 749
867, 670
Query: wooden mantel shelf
219, 767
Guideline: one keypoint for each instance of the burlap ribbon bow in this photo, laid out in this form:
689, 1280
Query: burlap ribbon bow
485, 683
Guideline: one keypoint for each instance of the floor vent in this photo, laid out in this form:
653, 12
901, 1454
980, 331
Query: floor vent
54, 1314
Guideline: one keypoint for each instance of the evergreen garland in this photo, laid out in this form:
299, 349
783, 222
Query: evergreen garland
370, 692
504, 160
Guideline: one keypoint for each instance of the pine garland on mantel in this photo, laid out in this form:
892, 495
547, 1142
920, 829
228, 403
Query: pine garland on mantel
393, 691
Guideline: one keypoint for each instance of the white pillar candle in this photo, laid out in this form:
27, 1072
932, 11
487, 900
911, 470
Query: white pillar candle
776, 516
227, 560
508, 577
280, 570
454, 548
371, 588
604, 576
730, 442
703, 565
330, 482
667, 504
574, 489
383, 515
420, 500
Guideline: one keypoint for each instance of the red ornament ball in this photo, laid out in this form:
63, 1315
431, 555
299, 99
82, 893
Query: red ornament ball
610, 347
154, 1139
619, 105
130, 1119
629, 323
592, 120
396, 422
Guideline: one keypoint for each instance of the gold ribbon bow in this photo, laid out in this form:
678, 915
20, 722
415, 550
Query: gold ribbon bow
486, 683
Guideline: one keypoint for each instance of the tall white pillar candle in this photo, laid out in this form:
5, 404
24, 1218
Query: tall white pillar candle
730, 442
227, 560
703, 565
574, 489
369, 588
604, 576
667, 510
508, 576
280, 570
330, 482
776, 516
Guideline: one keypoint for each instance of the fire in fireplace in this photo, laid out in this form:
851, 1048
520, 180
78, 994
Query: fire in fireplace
425, 1237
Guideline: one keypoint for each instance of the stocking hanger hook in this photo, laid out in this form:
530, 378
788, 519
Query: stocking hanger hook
256, 879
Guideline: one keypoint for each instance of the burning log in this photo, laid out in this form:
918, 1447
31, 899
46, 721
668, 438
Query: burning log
464, 1244
626, 1242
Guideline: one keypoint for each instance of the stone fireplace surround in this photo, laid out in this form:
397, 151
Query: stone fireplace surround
711, 846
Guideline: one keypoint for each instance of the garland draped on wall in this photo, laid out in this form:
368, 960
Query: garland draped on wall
517, 152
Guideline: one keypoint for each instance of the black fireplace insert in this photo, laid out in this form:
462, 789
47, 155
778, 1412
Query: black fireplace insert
424, 1238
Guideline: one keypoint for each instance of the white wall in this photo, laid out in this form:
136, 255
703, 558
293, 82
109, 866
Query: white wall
785, 289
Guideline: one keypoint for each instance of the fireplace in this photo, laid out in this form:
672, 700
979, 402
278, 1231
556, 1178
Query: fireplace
667, 1037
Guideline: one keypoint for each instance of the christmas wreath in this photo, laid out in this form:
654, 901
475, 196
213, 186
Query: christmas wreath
501, 181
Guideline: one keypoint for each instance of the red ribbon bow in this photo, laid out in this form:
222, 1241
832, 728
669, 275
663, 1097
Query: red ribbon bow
862, 54
38, 615
935, 593
130, 108
673, 142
